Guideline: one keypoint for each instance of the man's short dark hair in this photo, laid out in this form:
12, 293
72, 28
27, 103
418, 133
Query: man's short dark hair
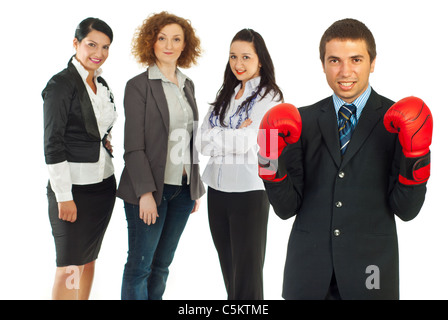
348, 29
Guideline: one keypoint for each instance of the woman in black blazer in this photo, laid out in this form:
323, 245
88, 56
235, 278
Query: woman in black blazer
160, 184
78, 115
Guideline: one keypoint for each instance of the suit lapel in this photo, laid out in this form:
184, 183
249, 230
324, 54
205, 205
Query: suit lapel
88, 114
161, 103
188, 89
328, 126
368, 120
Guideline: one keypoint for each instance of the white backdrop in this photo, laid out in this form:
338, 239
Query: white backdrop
37, 43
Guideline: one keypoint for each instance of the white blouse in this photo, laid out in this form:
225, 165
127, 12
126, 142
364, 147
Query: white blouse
180, 126
64, 174
233, 163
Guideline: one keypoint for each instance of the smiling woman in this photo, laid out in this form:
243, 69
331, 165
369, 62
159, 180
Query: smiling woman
92, 52
244, 63
92, 41
79, 113
238, 207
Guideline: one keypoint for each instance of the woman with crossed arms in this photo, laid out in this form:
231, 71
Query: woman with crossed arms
238, 206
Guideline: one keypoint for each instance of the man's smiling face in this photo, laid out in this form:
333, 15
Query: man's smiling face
347, 67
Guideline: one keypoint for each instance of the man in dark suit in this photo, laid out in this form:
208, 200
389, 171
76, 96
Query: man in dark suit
344, 188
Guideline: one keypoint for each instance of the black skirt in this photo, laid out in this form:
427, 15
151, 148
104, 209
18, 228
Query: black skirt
79, 243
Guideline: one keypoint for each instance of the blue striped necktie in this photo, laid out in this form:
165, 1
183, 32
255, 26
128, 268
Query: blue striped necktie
346, 125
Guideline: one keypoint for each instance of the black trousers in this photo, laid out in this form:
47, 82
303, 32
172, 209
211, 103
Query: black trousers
238, 224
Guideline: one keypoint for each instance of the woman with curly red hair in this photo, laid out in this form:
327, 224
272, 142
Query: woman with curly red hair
160, 184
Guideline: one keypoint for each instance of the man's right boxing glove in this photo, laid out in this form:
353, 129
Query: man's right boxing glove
280, 126
412, 120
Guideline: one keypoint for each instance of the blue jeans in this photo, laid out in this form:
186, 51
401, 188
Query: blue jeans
152, 248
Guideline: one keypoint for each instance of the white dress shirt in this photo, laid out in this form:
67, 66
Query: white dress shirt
233, 163
64, 174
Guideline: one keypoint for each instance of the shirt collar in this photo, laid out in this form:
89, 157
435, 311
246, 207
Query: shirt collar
360, 102
82, 71
154, 73
251, 85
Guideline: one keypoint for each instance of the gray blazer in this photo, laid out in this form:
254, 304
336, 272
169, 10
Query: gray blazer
146, 140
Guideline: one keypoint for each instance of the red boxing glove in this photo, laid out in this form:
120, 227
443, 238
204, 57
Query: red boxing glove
412, 120
280, 126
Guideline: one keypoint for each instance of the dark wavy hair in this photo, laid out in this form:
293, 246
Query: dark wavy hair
89, 24
267, 74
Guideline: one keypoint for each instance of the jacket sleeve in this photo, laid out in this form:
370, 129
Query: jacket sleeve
286, 196
136, 161
57, 98
405, 201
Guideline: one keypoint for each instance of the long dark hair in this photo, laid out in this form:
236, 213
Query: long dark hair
267, 74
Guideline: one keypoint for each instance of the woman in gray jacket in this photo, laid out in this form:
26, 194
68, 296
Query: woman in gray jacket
161, 183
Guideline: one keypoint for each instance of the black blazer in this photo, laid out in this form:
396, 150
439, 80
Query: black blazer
344, 207
70, 126
146, 140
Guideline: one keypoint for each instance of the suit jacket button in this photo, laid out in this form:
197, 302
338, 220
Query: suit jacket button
341, 174
338, 204
337, 232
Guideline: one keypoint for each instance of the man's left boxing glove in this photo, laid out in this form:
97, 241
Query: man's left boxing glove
412, 120
280, 126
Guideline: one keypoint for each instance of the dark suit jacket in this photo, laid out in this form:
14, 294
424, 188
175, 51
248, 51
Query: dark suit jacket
70, 126
344, 207
146, 140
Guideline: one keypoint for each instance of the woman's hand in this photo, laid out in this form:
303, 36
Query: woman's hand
245, 123
67, 211
148, 209
109, 146
197, 203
